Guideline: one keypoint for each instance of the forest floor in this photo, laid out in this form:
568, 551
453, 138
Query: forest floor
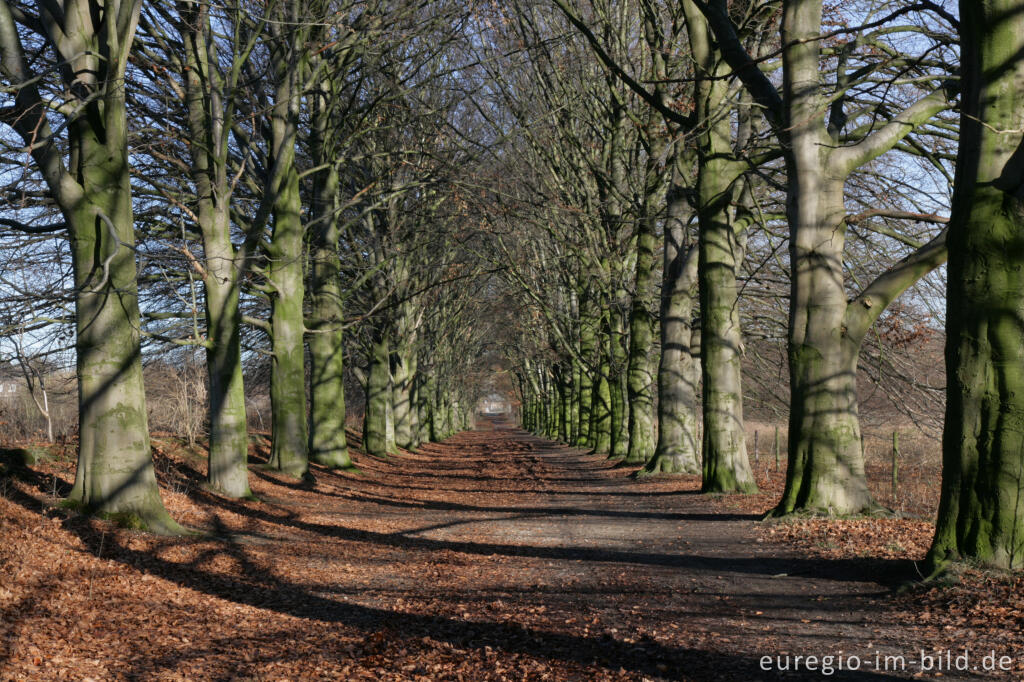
495, 555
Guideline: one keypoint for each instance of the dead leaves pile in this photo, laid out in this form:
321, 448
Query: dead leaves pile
315, 582
270, 591
878, 538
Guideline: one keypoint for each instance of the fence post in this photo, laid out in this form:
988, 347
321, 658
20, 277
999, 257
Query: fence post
776, 447
895, 461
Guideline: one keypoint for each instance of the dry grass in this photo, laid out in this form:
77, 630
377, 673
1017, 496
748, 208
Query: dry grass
919, 466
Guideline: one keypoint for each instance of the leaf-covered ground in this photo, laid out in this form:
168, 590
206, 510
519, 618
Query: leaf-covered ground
495, 555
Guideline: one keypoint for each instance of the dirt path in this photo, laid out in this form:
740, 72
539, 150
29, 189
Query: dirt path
647, 579
494, 555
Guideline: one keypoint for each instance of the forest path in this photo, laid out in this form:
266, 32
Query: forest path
648, 579
495, 555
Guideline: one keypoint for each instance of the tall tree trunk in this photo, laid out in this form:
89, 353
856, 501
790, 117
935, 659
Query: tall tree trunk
390, 443
287, 323
588, 350
826, 468
228, 461
574, 404
619, 358
678, 449
601, 408
378, 398
643, 358
286, 252
562, 383
726, 467
415, 428
229, 443
327, 442
424, 391
402, 396
115, 470
643, 355
725, 464
451, 421
981, 511
435, 412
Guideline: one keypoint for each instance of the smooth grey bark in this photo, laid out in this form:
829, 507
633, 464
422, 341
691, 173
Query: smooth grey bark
390, 444
378, 398
678, 448
424, 394
328, 444
643, 355
564, 388
643, 351
588, 350
285, 249
115, 471
619, 407
725, 466
403, 375
209, 122
287, 324
601, 403
826, 466
574, 403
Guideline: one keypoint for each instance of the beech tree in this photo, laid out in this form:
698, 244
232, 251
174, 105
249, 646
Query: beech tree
823, 147
182, 53
980, 514
64, 69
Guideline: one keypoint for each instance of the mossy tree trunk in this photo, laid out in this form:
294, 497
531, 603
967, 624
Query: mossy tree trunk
287, 324
229, 443
328, 444
115, 471
378, 397
643, 349
286, 249
826, 469
574, 403
826, 465
643, 359
403, 375
725, 464
588, 350
677, 449
436, 430
601, 407
618, 361
981, 511
390, 443
209, 122
451, 419
726, 467
563, 383
424, 395
547, 399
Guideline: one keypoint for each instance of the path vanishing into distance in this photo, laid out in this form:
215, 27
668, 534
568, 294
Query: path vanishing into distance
494, 555
529, 548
